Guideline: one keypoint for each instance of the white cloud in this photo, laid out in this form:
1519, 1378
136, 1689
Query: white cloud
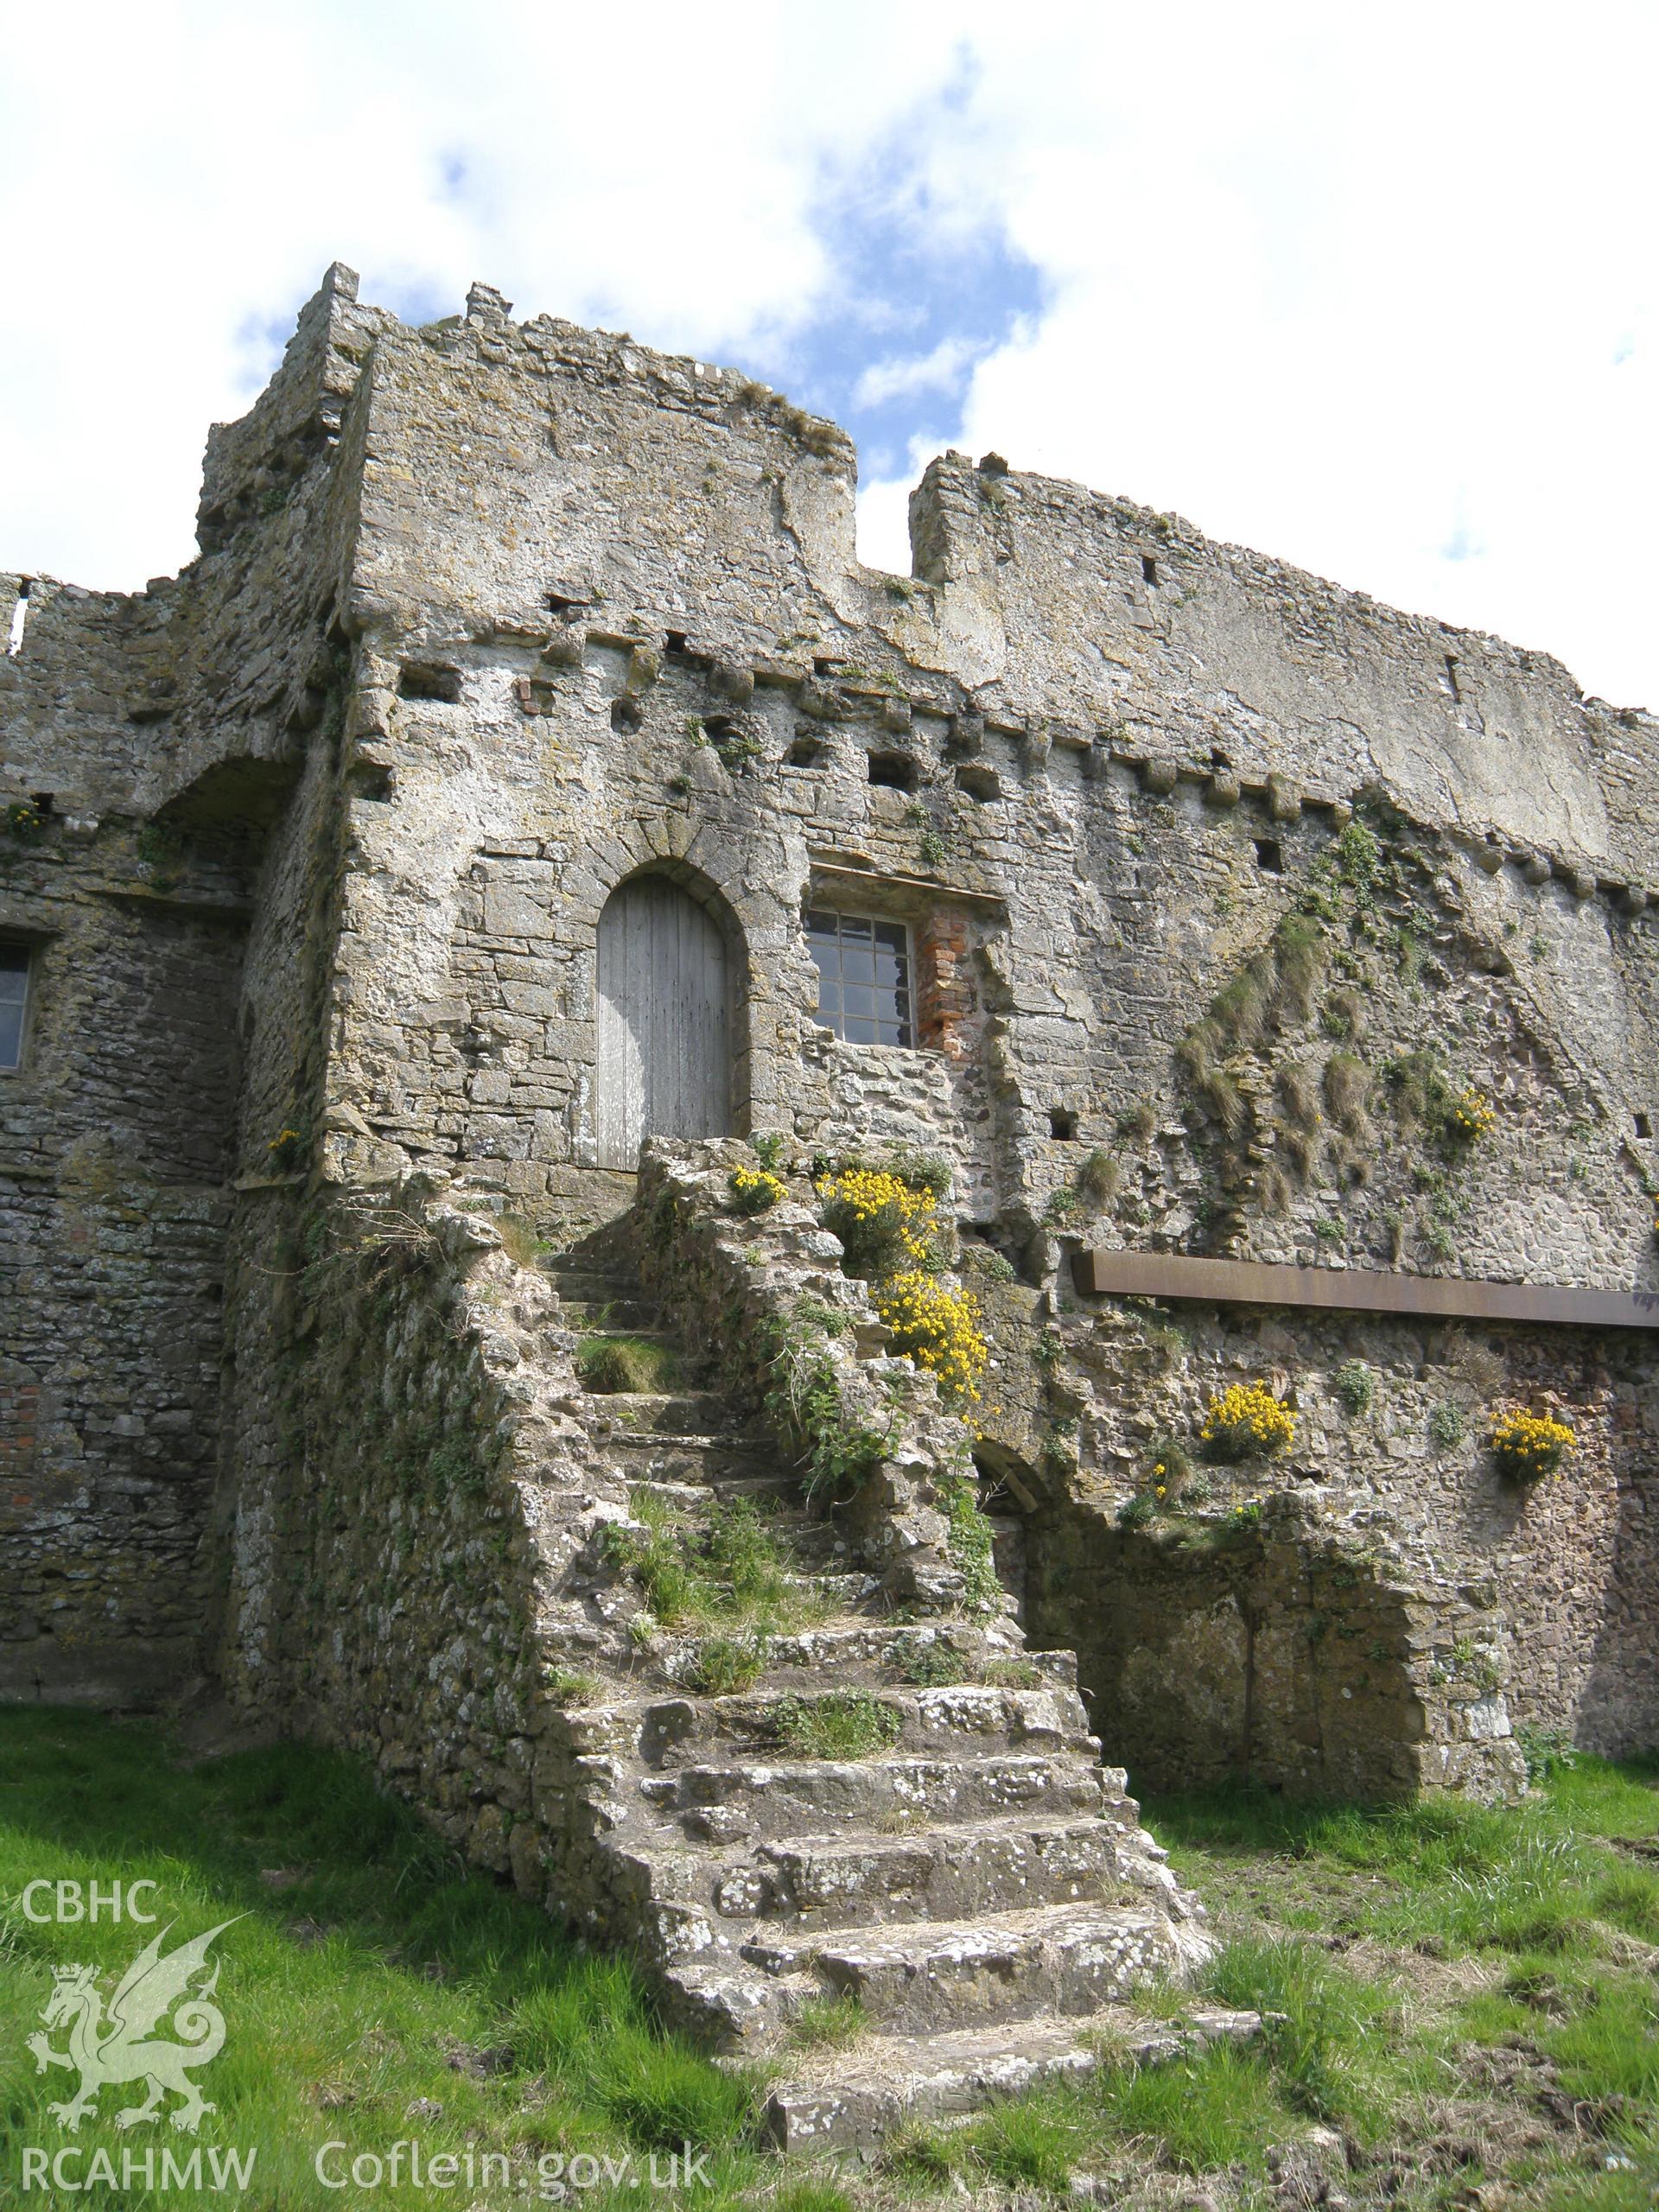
905, 376
1371, 290
171, 175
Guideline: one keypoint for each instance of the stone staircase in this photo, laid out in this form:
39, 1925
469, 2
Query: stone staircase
953, 1905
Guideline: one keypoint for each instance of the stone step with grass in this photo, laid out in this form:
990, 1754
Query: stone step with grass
669, 1733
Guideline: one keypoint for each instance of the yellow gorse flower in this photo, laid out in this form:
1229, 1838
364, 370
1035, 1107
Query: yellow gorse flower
755, 1189
873, 1200
1474, 1117
938, 1328
1529, 1445
1245, 1421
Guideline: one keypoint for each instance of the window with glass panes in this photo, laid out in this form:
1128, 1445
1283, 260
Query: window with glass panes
864, 978
14, 995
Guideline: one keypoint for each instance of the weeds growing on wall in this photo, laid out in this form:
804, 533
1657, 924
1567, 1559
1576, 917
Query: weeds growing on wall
887, 1220
938, 1328
756, 1190
802, 1401
1351, 909
884, 1220
1354, 1385
970, 1542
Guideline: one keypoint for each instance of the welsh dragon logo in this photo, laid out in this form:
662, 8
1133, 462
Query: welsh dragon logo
122, 2048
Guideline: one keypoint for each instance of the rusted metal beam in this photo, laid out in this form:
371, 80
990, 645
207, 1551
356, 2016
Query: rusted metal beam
1358, 1290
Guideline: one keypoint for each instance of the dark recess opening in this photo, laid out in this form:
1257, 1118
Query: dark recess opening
1269, 857
1062, 1124
980, 783
559, 601
1643, 1126
625, 713
675, 642
372, 782
896, 771
419, 679
1452, 675
1148, 570
805, 752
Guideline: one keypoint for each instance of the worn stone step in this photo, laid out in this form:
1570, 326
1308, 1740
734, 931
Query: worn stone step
669, 1413
965, 1720
734, 1460
950, 1873
589, 1285
929, 1976
771, 1800
622, 1316
850, 2099
885, 1648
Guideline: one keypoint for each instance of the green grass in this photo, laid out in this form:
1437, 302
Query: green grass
1219, 2109
624, 1364
724, 1566
838, 1724
346, 1990
828, 2023
723, 1666
1543, 1925
1538, 1901
1396, 1952
1455, 1878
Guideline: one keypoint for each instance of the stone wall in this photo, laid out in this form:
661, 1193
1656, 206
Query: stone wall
112, 1212
1546, 1590
1283, 1653
159, 738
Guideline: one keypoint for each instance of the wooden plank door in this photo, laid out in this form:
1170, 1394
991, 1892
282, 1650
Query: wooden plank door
664, 1042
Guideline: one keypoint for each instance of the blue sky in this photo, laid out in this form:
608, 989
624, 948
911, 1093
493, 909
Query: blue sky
1373, 292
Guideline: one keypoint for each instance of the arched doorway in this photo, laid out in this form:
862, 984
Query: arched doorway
664, 1020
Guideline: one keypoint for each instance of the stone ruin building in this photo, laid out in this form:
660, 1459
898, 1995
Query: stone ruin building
411, 914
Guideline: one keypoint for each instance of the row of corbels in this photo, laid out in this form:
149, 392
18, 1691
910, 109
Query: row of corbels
1222, 787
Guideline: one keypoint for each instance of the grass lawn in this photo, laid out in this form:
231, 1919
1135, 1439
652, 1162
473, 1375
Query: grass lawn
376, 1989
1464, 2007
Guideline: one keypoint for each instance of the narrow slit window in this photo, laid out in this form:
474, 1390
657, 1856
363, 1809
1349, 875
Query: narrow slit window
1452, 675
1643, 1126
864, 976
1149, 571
13, 1004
